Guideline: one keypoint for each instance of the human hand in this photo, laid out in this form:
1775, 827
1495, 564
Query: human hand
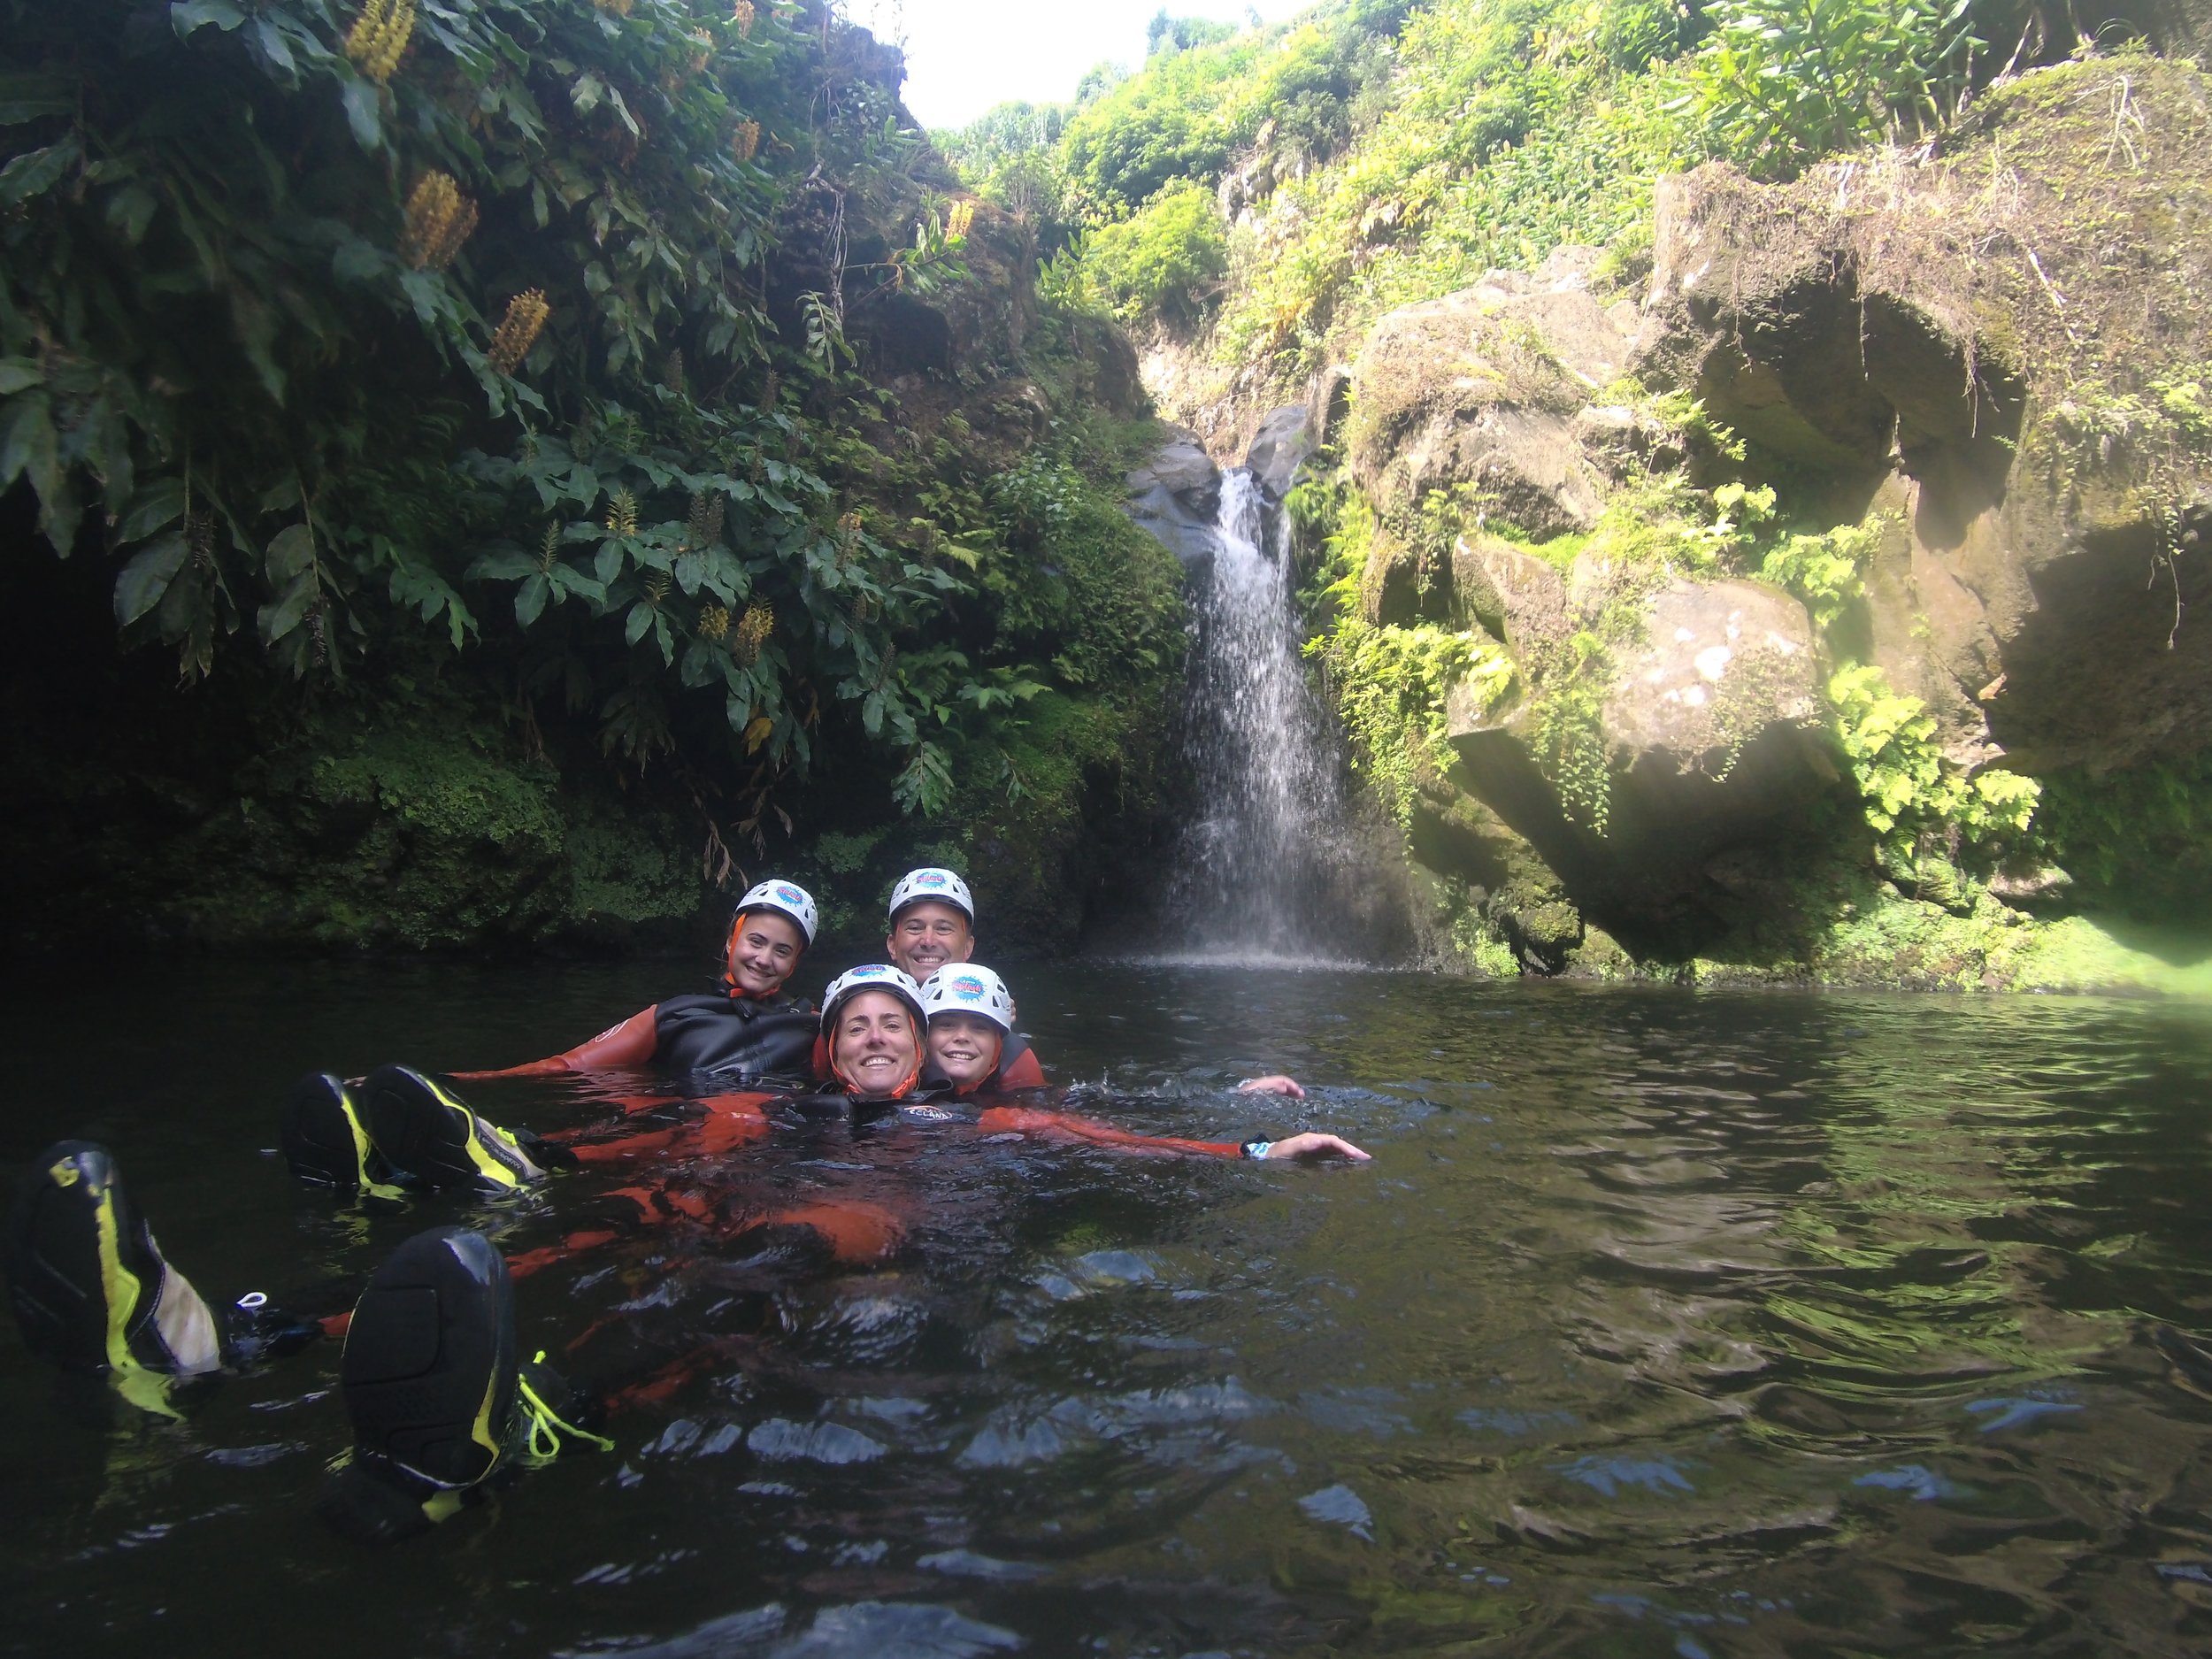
1314, 1145
1275, 1083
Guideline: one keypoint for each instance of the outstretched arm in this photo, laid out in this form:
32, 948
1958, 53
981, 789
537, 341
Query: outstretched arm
1067, 1127
632, 1043
1274, 1084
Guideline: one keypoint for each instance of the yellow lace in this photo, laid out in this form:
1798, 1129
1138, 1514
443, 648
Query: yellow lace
547, 1426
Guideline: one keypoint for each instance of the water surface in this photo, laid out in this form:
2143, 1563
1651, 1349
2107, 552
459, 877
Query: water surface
1663, 1324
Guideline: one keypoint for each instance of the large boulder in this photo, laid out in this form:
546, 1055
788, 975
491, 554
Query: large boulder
1709, 731
1279, 449
1480, 390
1176, 495
1990, 349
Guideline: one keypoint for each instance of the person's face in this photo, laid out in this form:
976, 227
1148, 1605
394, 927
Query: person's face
876, 1047
765, 947
927, 935
965, 1045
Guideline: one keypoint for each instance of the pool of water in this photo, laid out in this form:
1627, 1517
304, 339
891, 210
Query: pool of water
1661, 1324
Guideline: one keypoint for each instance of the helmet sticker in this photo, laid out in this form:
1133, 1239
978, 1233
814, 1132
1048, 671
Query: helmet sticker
790, 895
969, 986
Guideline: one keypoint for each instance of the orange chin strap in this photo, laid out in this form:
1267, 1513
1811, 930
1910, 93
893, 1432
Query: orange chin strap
905, 1088
998, 1053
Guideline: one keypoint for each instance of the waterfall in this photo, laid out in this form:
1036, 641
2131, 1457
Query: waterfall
1275, 864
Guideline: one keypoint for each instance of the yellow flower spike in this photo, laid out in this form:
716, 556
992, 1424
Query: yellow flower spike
742, 14
745, 143
753, 632
518, 330
957, 221
438, 219
714, 622
377, 39
620, 8
622, 513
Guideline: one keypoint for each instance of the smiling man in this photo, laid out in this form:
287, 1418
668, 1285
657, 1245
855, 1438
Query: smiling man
932, 922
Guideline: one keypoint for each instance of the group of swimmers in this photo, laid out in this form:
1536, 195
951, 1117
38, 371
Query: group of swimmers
432, 1377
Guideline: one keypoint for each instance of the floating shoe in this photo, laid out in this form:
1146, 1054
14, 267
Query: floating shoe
429, 1132
91, 1289
429, 1375
325, 1140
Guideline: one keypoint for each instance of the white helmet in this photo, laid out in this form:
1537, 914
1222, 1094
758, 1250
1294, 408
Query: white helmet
932, 883
875, 976
794, 901
961, 987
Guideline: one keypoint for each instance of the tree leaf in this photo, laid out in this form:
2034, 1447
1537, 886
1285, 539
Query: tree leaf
26, 444
641, 619
152, 507
130, 209
531, 598
281, 616
586, 92
189, 15
509, 566
147, 578
291, 550
17, 372
691, 570
37, 171
27, 97
364, 100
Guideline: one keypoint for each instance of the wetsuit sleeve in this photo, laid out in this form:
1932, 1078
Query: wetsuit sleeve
1045, 1126
1025, 1072
633, 1042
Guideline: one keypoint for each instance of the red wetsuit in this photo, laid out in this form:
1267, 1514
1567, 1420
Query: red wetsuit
858, 1225
725, 1033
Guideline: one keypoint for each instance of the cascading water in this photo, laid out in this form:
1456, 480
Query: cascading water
1275, 864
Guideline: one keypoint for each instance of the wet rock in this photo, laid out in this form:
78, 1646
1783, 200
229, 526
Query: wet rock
1278, 448
1972, 362
2044, 887
1513, 595
1176, 495
1711, 727
1480, 390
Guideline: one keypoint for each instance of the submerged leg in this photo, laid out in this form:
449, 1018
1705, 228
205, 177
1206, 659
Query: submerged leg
428, 1131
325, 1141
436, 1387
90, 1288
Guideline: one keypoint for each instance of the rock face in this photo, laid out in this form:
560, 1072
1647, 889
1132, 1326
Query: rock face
1968, 360
1176, 495
1710, 725
1278, 448
1479, 391
1993, 364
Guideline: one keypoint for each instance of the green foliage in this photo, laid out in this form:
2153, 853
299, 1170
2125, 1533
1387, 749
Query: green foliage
1166, 34
1175, 121
1390, 684
228, 303
1567, 730
1823, 571
1165, 260
1914, 800
1782, 85
2139, 840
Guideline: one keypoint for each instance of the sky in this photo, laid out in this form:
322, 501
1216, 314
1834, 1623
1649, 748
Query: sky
964, 56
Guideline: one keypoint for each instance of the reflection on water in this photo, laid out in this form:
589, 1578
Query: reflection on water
1663, 1324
